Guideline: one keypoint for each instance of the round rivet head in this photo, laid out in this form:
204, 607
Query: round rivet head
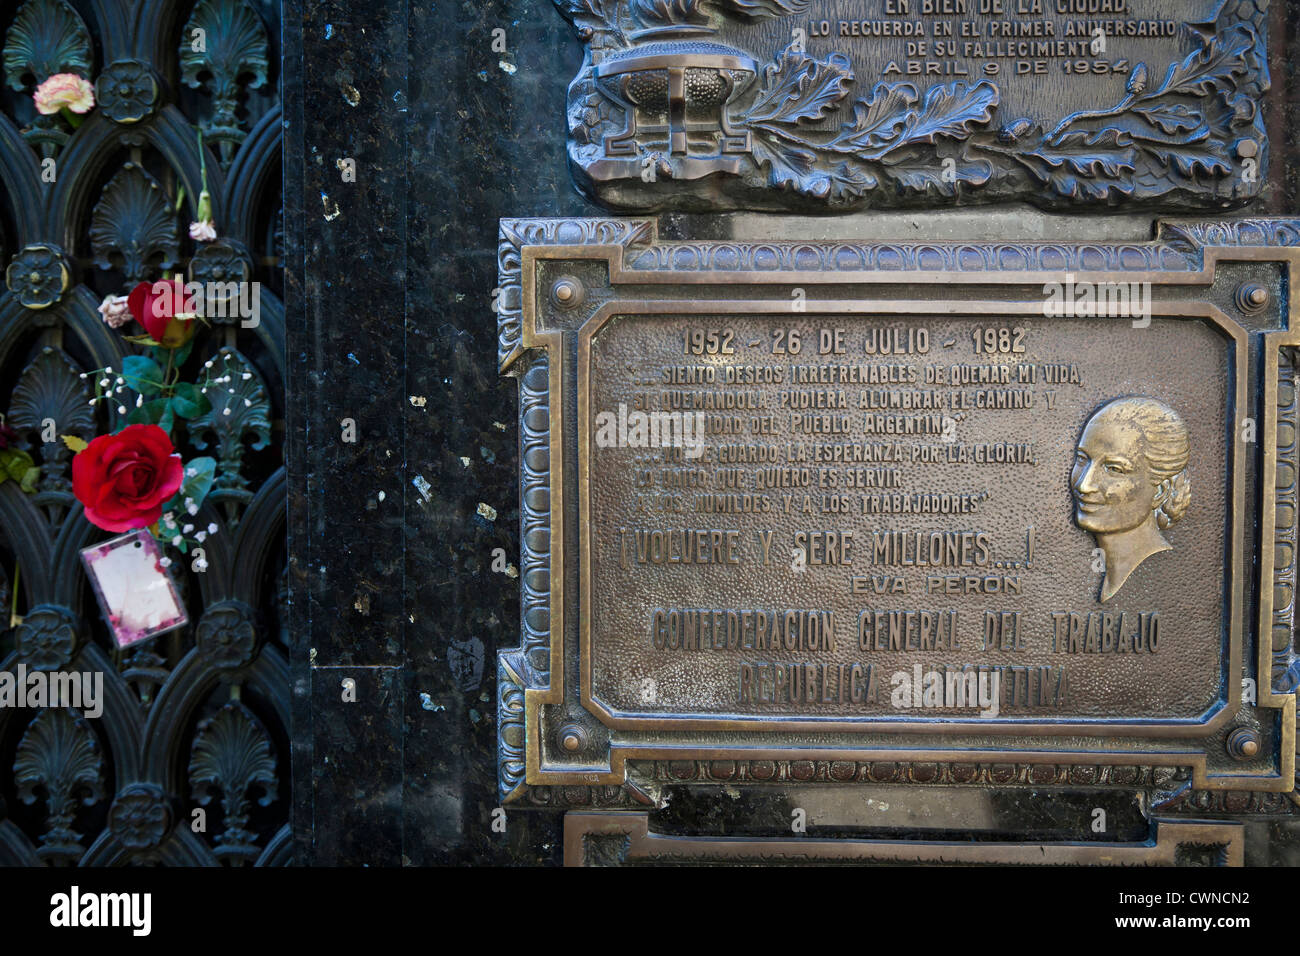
572, 738
1252, 297
1247, 148
1243, 743
567, 292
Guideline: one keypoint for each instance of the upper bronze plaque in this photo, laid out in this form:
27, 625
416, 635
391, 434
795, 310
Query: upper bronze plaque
836, 104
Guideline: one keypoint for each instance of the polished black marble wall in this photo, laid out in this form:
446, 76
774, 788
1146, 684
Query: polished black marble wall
392, 536
389, 281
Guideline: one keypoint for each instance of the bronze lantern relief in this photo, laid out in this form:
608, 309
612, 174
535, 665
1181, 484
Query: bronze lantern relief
676, 98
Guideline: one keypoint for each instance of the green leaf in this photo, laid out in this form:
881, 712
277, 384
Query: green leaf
199, 474
159, 354
28, 482
15, 463
168, 417
149, 413
189, 402
142, 374
141, 340
198, 486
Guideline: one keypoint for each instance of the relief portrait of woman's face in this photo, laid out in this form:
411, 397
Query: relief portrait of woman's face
1130, 482
1113, 490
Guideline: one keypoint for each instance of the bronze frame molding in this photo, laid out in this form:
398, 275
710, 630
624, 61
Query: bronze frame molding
635, 843
546, 346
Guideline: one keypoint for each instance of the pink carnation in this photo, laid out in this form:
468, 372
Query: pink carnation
204, 231
115, 311
64, 89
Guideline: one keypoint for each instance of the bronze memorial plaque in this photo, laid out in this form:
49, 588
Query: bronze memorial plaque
833, 511
828, 105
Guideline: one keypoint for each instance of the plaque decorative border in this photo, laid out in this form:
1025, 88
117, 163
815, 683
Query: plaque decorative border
683, 305
663, 114
626, 839
555, 750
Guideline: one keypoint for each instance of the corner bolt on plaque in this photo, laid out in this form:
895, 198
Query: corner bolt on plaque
835, 511
825, 106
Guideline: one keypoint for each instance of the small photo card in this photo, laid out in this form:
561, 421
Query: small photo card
136, 593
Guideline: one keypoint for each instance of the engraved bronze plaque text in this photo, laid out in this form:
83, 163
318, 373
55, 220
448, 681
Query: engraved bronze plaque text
835, 104
838, 509
876, 497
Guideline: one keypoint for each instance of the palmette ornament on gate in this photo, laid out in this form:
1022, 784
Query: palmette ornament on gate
97, 203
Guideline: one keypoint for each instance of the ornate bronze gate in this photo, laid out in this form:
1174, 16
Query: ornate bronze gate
189, 762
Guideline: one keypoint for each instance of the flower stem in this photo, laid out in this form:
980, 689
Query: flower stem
13, 606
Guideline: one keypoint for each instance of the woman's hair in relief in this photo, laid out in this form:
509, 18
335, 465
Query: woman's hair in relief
1166, 445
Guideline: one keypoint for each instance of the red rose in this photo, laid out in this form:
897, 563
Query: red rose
165, 311
7, 436
124, 479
